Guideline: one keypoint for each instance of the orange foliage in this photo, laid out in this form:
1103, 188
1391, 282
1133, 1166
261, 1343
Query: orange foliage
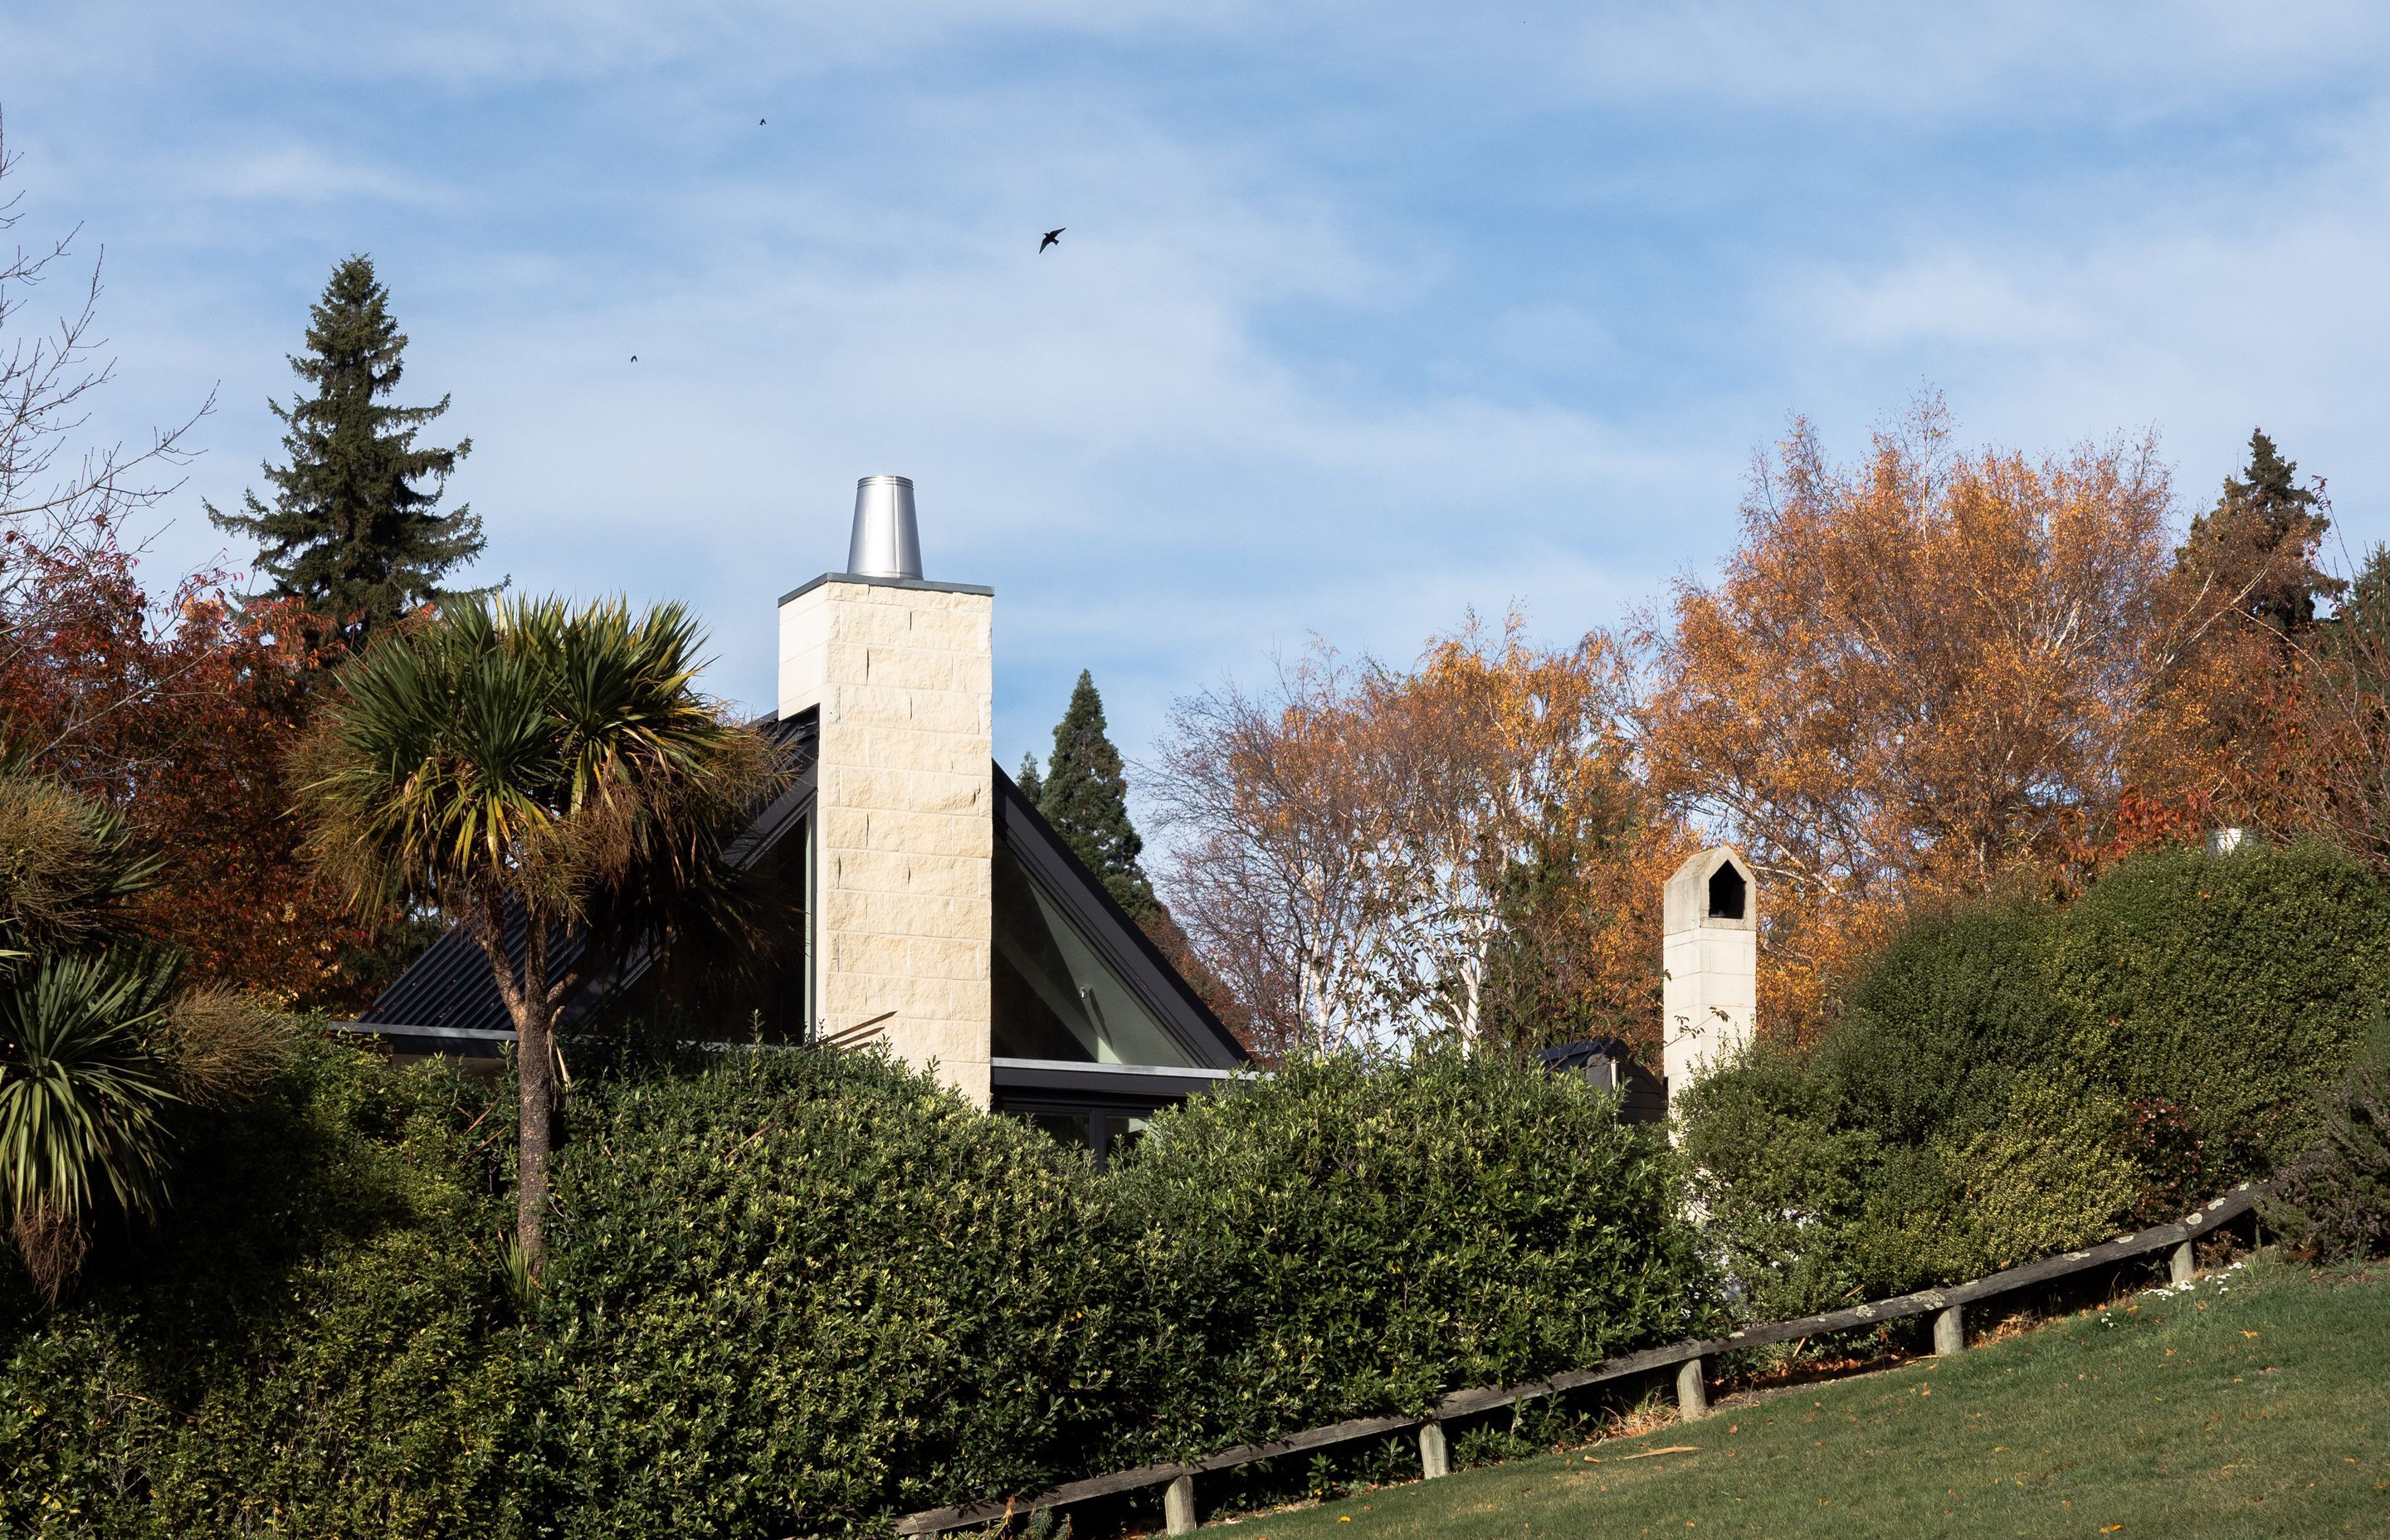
1372, 853
1526, 836
183, 716
1916, 678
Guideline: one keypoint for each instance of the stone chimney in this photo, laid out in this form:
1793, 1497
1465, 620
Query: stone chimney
902, 671
1710, 998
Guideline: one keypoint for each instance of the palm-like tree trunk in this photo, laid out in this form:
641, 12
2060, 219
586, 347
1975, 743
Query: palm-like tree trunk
530, 1002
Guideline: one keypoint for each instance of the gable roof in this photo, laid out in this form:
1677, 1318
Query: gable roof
449, 987
1119, 940
446, 997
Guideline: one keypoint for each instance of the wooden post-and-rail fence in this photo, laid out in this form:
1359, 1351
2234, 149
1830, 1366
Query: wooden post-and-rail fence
1948, 1306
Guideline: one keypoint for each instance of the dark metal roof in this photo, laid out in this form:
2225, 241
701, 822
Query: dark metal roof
449, 986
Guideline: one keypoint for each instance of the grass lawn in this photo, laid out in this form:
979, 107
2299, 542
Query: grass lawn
2256, 1403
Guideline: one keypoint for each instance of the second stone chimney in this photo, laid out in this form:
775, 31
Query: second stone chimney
902, 671
1710, 997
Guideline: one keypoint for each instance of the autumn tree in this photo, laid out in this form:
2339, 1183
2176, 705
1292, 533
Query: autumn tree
1276, 831
181, 710
64, 500
354, 532
2227, 737
2336, 712
1367, 853
173, 708
1914, 676
1514, 802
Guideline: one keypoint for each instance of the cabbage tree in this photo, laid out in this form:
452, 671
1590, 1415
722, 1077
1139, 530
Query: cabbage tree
500, 757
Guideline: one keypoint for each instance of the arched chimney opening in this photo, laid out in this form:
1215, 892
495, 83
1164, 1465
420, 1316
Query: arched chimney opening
1728, 892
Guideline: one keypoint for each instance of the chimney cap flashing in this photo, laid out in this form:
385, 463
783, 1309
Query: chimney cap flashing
923, 585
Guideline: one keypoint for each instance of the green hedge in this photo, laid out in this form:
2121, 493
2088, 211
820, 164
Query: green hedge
2012, 1079
316, 1340
2334, 1201
2221, 998
1359, 1235
798, 1292
791, 1290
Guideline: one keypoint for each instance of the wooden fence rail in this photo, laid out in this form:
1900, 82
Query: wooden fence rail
1946, 1306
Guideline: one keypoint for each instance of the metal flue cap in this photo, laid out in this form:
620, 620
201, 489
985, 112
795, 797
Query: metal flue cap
887, 543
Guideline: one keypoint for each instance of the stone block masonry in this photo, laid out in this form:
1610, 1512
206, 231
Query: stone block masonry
1709, 953
902, 674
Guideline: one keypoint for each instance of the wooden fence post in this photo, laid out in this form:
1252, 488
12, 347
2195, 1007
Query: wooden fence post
1435, 1458
1692, 1395
2178, 1264
1178, 1506
1950, 1331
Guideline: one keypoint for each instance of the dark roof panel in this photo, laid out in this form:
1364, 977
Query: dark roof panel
450, 985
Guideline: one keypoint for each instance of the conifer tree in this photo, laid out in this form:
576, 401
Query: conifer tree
1084, 796
1032, 785
353, 532
2260, 541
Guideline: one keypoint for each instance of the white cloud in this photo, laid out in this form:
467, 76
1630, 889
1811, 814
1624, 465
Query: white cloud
1283, 374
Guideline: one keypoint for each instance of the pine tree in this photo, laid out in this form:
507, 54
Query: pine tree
1084, 796
352, 532
1032, 785
2260, 541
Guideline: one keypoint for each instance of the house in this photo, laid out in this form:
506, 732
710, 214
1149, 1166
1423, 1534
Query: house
938, 913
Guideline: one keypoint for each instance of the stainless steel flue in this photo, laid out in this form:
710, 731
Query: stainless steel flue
887, 543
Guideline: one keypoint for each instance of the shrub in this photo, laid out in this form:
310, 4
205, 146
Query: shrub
2334, 1201
2011, 1079
1780, 1178
793, 1291
1357, 1236
311, 1341
797, 1292
2221, 997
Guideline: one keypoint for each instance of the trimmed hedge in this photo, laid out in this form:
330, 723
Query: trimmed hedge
795, 1290
2221, 998
798, 1292
314, 1341
2012, 1079
1359, 1235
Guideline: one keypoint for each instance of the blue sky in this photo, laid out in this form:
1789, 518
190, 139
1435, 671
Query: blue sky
1367, 313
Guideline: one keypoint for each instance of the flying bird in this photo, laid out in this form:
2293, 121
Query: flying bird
1053, 237
759, 122
635, 358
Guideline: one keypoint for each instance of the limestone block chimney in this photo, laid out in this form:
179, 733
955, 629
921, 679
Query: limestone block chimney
1709, 1000
902, 672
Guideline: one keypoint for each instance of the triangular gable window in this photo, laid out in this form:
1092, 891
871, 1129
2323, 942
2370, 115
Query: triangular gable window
1055, 995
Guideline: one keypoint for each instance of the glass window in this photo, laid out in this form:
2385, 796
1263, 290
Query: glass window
784, 1013
1123, 1132
1104, 1136
1054, 995
1068, 1128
